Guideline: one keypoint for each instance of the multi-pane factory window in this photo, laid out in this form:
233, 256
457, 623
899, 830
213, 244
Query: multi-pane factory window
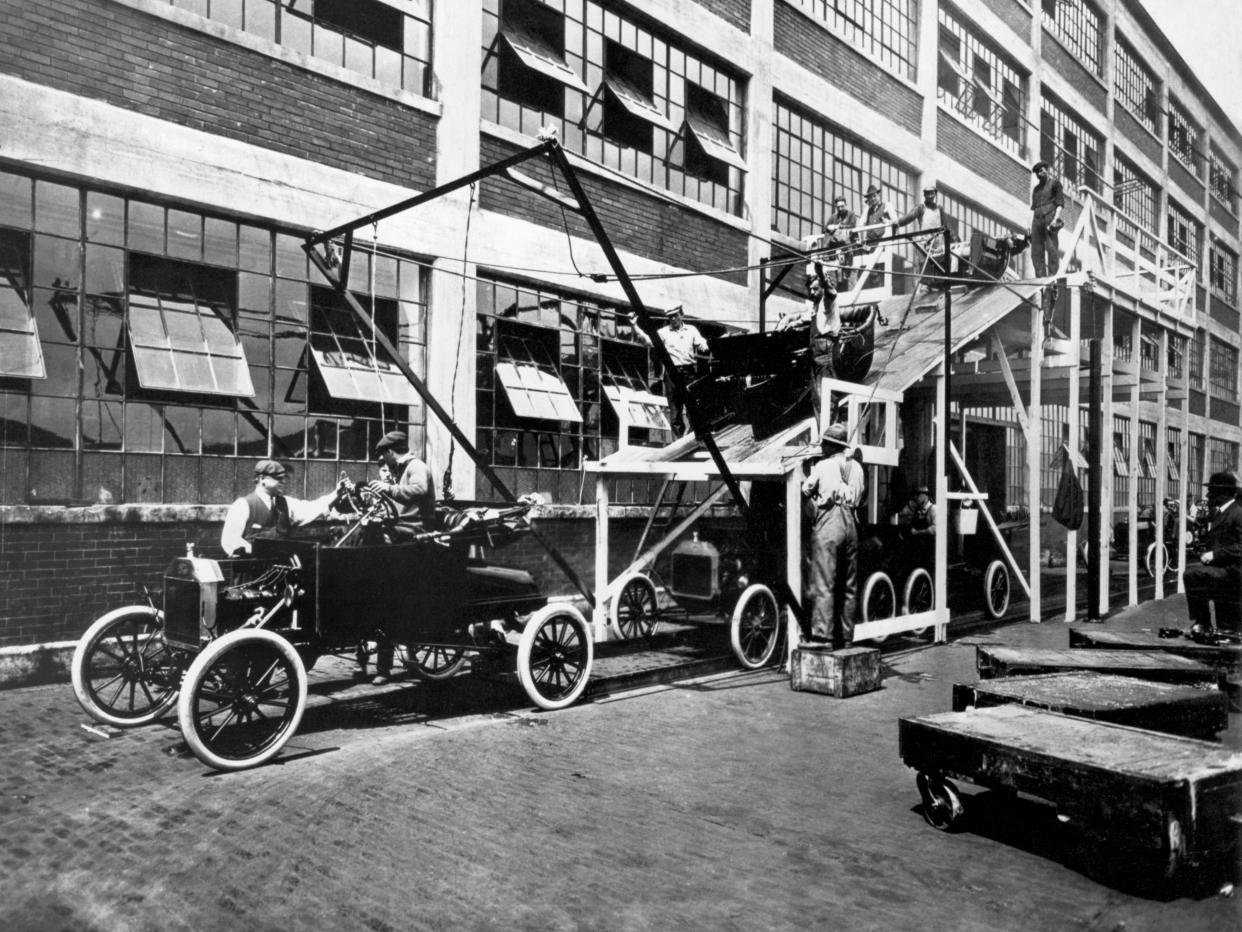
1135, 197
1147, 463
390, 42
1223, 370
1121, 461
979, 83
814, 162
1135, 86
1073, 149
1184, 138
1221, 180
1185, 233
1222, 455
1223, 272
1198, 349
885, 30
21, 355
1149, 349
1173, 460
549, 366
177, 342
1177, 356
617, 92
1078, 25
1196, 453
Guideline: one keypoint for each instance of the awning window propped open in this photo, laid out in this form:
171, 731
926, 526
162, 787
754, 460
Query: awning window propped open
184, 345
532, 384
707, 119
538, 55
638, 409
352, 365
21, 355
635, 102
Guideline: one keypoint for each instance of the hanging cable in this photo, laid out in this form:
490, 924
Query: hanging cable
447, 482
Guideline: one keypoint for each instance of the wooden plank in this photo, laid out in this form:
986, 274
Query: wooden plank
1168, 800
1149, 665
1124, 700
1226, 657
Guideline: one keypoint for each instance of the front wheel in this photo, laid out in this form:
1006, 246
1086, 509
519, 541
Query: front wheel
919, 596
242, 699
554, 656
755, 626
879, 601
634, 611
123, 672
1160, 551
996, 589
434, 663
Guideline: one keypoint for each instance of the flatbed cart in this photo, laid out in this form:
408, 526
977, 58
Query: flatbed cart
1166, 804
1147, 665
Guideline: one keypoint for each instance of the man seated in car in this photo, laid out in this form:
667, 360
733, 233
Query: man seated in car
267, 511
413, 490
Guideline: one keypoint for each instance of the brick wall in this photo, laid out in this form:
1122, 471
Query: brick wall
643, 224
980, 156
109, 52
1191, 185
60, 573
1071, 69
1135, 133
734, 12
806, 42
1013, 13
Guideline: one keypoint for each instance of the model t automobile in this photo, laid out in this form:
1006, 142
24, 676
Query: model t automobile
234, 638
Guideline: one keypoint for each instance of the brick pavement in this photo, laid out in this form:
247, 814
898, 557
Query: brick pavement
726, 803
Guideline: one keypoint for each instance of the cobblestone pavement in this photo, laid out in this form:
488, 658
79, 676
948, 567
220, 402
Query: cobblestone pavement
729, 802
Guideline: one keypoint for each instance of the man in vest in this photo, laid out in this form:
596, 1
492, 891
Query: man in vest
267, 511
931, 216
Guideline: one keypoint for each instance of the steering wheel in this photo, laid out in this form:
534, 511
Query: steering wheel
375, 506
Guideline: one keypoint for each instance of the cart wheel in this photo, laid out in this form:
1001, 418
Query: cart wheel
1150, 561
432, 663
996, 589
879, 601
755, 626
919, 596
123, 672
242, 699
634, 611
554, 656
942, 805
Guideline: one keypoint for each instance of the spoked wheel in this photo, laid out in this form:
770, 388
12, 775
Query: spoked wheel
123, 672
634, 611
242, 699
1168, 560
942, 805
879, 601
432, 662
755, 627
919, 596
554, 656
996, 589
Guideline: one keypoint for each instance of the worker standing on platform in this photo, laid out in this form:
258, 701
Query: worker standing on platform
837, 229
1218, 575
684, 344
835, 487
931, 216
824, 331
1047, 203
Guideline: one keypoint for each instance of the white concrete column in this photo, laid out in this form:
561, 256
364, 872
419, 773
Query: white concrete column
759, 149
1074, 441
1034, 446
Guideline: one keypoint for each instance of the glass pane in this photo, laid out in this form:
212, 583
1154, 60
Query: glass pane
219, 337
102, 321
194, 371
290, 259
20, 356
16, 201
295, 32
56, 314
184, 329
103, 372
181, 429
329, 44
220, 242
57, 209
255, 251
101, 425
62, 370
154, 368
105, 270
105, 219
185, 235
146, 227
290, 302
143, 428
56, 262
251, 433
218, 431
261, 18
358, 56
254, 293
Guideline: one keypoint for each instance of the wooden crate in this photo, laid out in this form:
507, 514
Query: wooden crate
1147, 665
1225, 657
840, 673
1168, 802
1123, 700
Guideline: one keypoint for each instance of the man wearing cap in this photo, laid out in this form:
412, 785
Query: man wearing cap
824, 331
414, 488
267, 511
684, 344
880, 214
930, 216
918, 523
835, 488
1219, 571
837, 230
1047, 202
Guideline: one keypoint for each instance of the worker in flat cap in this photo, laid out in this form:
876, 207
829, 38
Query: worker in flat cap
1218, 575
411, 485
917, 521
268, 511
835, 487
1047, 204
931, 216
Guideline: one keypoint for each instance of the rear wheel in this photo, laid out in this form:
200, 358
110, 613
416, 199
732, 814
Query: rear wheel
433, 663
755, 626
123, 672
919, 596
996, 589
242, 699
634, 612
879, 601
1168, 560
942, 804
554, 656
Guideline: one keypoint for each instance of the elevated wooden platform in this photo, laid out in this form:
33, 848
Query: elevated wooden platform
1122, 700
1149, 665
1224, 657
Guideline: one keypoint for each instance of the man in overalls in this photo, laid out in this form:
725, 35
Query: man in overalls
835, 487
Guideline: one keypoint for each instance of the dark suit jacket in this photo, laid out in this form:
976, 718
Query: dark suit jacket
1224, 536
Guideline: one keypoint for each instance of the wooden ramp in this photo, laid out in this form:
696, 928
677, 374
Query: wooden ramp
1224, 657
1103, 697
1147, 665
1173, 804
